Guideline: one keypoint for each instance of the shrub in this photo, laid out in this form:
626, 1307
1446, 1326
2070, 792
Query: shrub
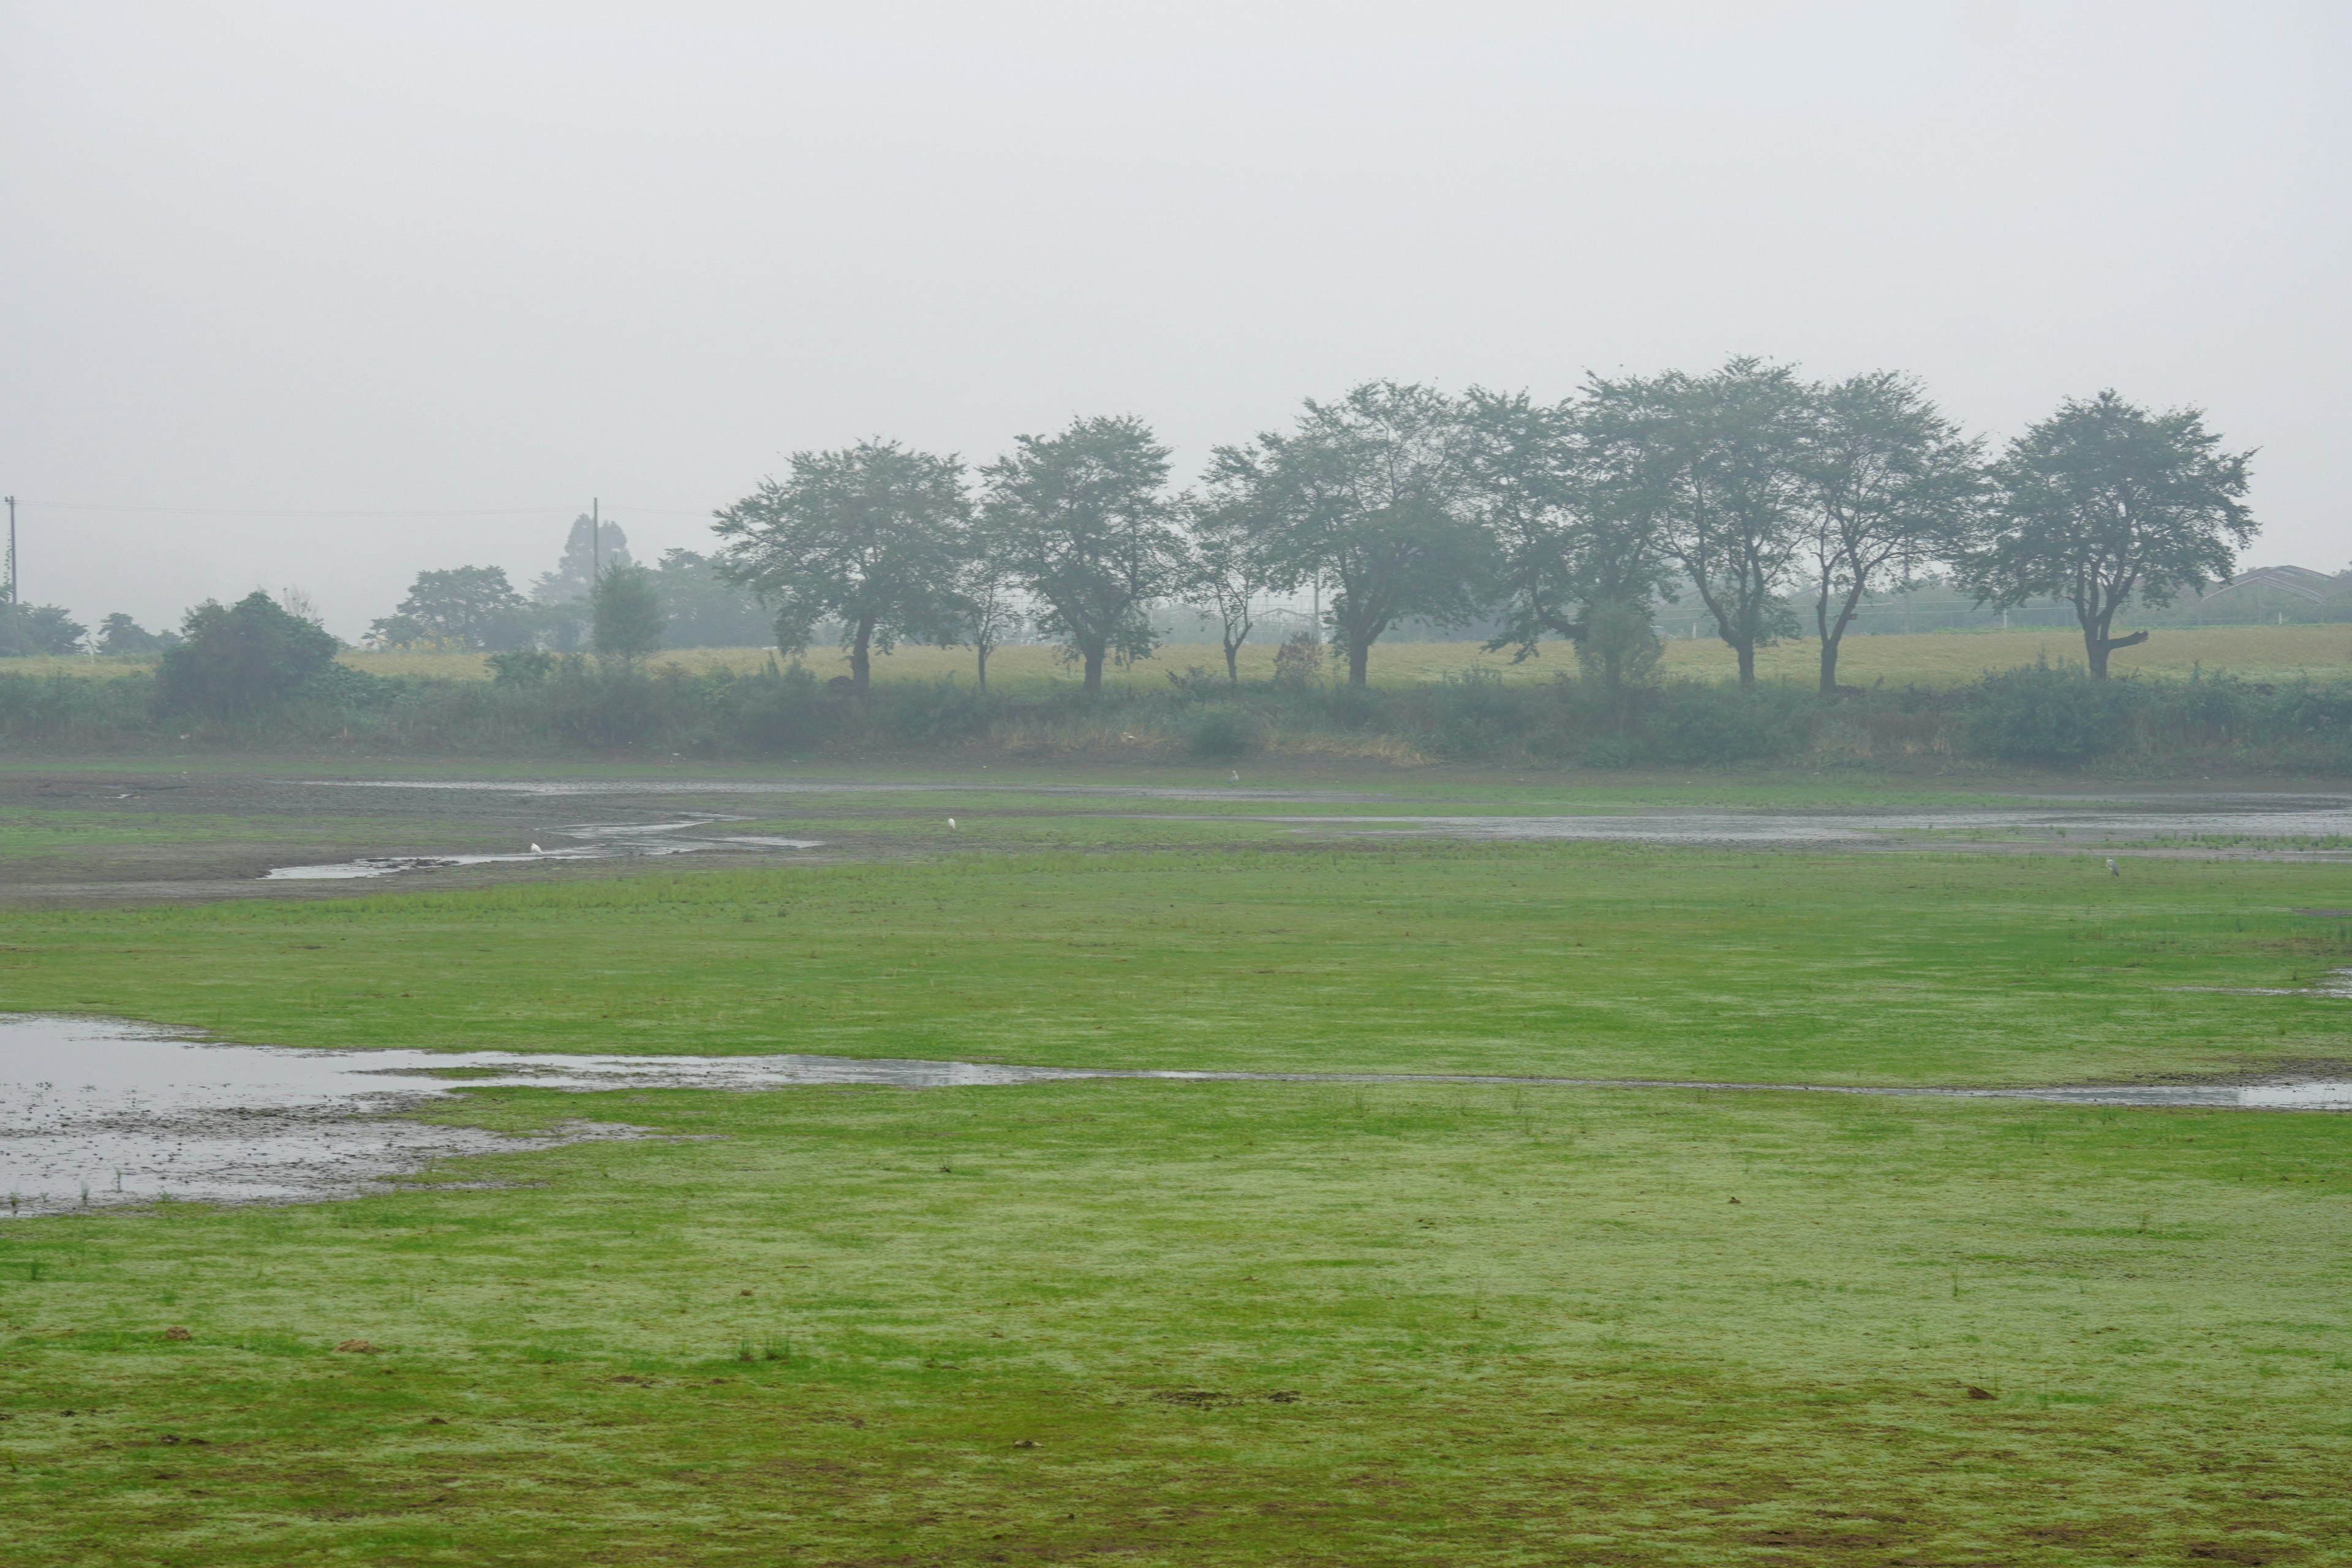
521, 667
1225, 732
928, 715
1696, 724
241, 658
1298, 663
1607, 751
1473, 715
2046, 713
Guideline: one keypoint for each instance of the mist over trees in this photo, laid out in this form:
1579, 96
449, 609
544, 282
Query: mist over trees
1757, 501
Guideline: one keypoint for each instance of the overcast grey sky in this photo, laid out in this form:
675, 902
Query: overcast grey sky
371, 288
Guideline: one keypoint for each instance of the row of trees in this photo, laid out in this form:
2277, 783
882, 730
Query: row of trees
1746, 486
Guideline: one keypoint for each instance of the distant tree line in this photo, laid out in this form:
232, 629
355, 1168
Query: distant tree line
1766, 502
1764, 496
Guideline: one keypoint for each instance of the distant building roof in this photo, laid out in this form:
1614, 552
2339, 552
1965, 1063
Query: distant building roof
2299, 581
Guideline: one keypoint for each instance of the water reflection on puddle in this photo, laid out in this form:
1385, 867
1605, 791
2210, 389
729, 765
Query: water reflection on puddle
94, 1111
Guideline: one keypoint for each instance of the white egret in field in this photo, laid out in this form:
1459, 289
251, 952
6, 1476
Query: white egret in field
1237, 776
951, 822
2113, 869
537, 850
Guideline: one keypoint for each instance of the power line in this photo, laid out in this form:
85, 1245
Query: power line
325, 512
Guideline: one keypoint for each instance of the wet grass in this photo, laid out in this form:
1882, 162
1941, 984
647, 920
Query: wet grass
1233, 1323
1159, 1323
1567, 959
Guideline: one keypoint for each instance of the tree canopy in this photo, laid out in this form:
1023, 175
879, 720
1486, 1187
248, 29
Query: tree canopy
2103, 501
1370, 494
1084, 521
237, 659
1889, 481
872, 534
625, 614
470, 608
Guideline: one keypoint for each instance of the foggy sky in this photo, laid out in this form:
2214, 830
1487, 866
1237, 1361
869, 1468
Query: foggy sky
360, 289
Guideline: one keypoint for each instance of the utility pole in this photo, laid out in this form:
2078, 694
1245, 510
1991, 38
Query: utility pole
12, 554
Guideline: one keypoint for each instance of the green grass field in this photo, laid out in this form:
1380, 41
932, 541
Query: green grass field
1932, 660
1265, 1323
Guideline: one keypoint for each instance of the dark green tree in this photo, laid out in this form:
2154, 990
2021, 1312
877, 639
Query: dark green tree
1369, 493
1889, 482
240, 658
1084, 521
2103, 501
474, 607
872, 534
625, 614
121, 637
28, 629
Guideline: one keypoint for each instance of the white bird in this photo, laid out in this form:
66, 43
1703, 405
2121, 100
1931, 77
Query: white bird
537, 850
1236, 777
951, 822
2113, 870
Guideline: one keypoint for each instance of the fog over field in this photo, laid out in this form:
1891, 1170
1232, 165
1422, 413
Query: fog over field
326, 296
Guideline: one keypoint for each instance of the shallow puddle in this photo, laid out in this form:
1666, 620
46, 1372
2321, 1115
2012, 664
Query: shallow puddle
2184, 818
96, 1111
604, 842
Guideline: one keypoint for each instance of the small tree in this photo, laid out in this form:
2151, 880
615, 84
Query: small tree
121, 637
242, 657
28, 629
625, 614
873, 534
1889, 478
1230, 569
1298, 662
992, 610
2104, 500
1082, 521
1369, 492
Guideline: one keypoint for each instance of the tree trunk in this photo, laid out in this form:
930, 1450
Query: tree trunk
984, 668
1747, 650
1829, 665
1233, 663
1094, 657
1359, 659
861, 665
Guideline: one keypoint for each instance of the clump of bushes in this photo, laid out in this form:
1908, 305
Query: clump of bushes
542, 703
